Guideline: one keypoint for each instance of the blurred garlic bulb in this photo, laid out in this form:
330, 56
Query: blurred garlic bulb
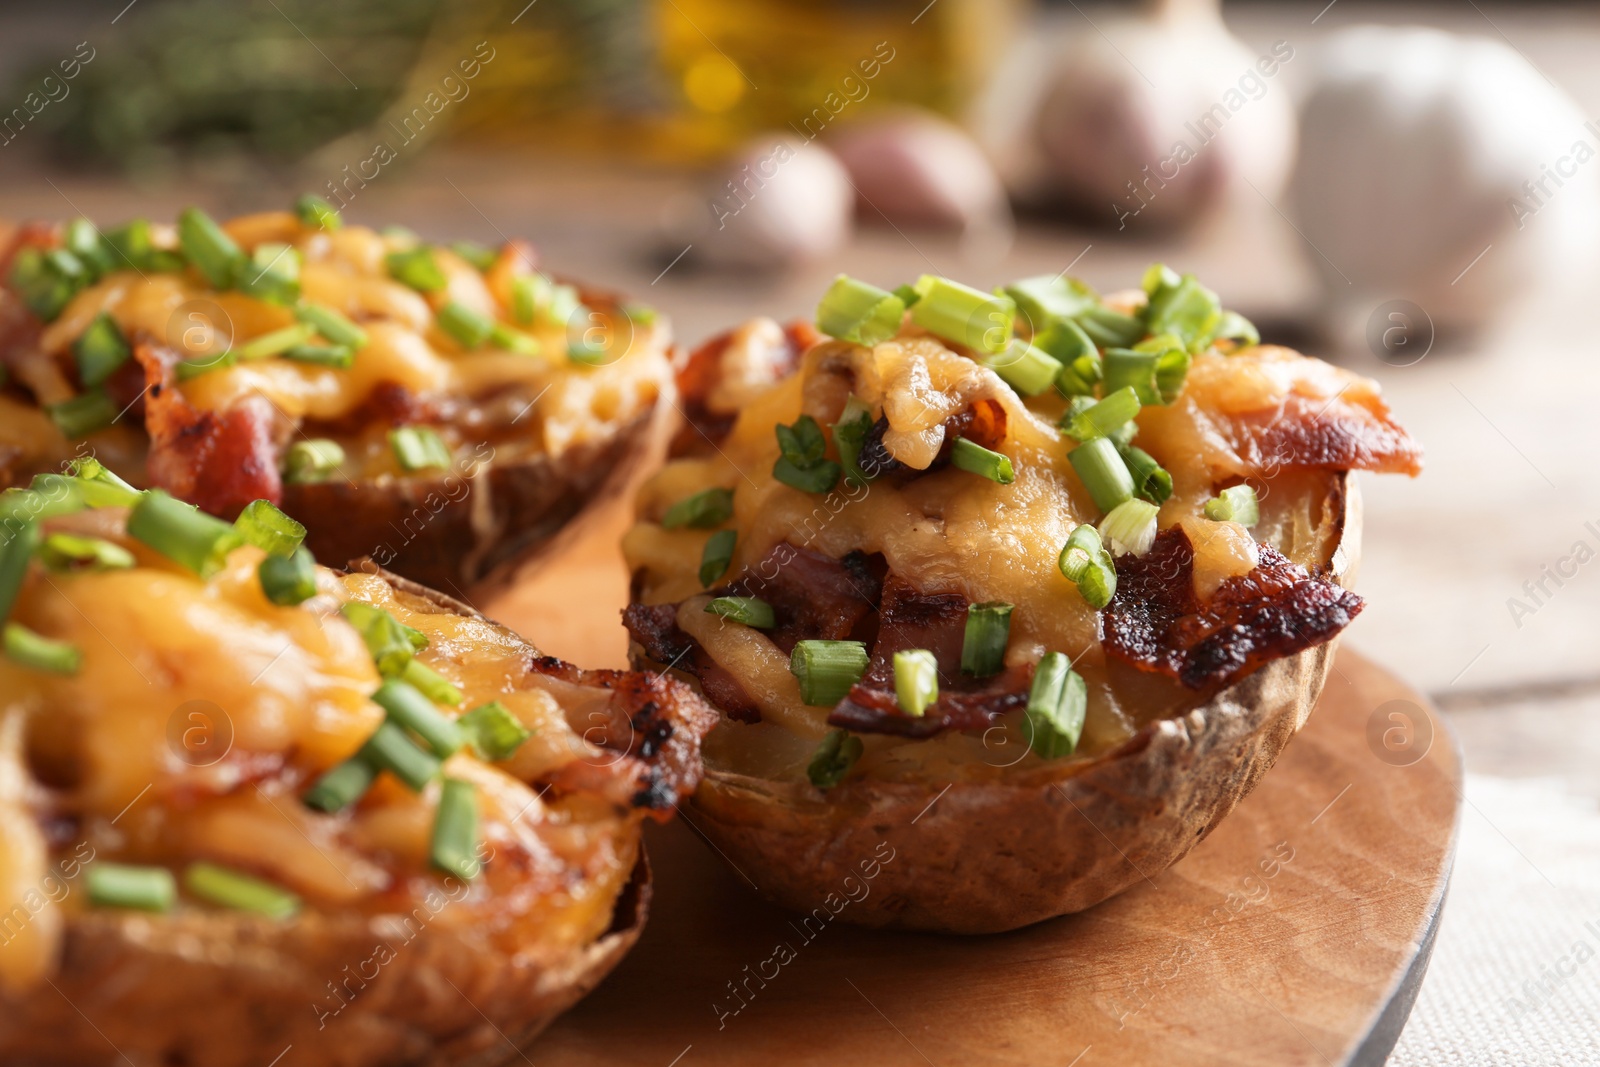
1422, 151
919, 170
780, 201
1161, 119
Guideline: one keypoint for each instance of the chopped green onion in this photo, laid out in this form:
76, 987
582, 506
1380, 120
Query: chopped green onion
1064, 340
1028, 370
416, 268
1103, 472
83, 240
28, 649
132, 245
391, 749
717, 556
983, 646
1099, 420
708, 508
272, 274
241, 892
342, 786
119, 885
833, 759
339, 357
194, 368
45, 282
182, 532
454, 849
102, 488
467, 327
15, 552
262, 524
430, 683
69, 552
24, 505
752, 611
514, 340
981, 321
849, 436
1109, 329
1085, 562
316, 213
527, 290
827, 670
852, 310
819, 478
312, 461
479, 255
1184, 308
1158, 276
419, 448
916, 681
492, 731
970, 456
407, 706
801, 464
212, 252
1237, 503
1078, 378
84, 415
274, 343
1130, 526
288, 580
908, 295
390, 643
334, 327
1150, 480
587, 352
1235, 327
1045, 299
641, 314
100, 350
1058, 703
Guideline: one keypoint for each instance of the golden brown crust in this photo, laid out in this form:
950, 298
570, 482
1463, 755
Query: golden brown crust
982, 857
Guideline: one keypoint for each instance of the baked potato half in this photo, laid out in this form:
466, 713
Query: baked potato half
1006, 599
445, 410
248, 803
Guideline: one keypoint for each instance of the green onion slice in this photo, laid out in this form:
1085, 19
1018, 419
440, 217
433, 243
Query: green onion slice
1181, 306
288, 580
331, 325
262, 524
1103, 472
391, 749
84, 415
69, 552
1027, 369
1237, 503
193, 368
492, 731
390, 643
339, 357
32, 650
469, 328
1058, 703
980, 321
100, 350
703, 510
983, 646
852, 310
47, 283
1108, 328
1151, 481
274, 343
801, 464
455, 830
717, 556
749, 610
1235, 327
83, 240
416, 268
120, 885
272, 274
239, 891
212, 252
182, 532
850, 436
916, 681
407, 706
18, 542
1130, 526
1045, 300
1085, 562
833, 759
341, 786
102, 487
430, 683
505, 337
481, 256
1099, 420
312, 461
972, 457
827, 670
316, 213
419, 448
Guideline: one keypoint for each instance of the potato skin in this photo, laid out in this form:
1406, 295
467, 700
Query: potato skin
212, 989
985, 857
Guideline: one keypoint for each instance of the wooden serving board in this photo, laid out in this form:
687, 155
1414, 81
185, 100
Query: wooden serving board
1297, 933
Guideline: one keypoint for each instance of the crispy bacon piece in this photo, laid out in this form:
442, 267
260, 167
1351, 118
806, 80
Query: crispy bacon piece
218, 461
655, 627
698, 376
1156, 624
982, 422
975, 706
1326, 435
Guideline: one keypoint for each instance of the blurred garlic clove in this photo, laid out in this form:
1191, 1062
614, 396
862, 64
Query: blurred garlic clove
778, 203
1161, 119
1442, 170
918, 170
